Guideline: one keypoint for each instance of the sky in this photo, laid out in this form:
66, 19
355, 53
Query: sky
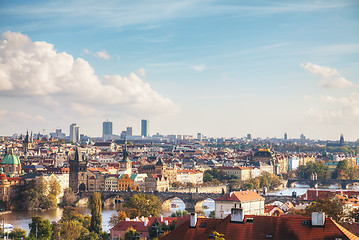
221, 68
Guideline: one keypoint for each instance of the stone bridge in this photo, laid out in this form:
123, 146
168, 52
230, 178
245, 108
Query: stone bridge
190, 199
315, 183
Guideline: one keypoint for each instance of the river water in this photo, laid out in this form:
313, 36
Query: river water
23, 218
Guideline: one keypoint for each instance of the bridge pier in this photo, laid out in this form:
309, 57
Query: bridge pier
344, 185
313, 184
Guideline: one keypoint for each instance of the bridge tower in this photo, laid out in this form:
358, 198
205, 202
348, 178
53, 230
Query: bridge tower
78, 172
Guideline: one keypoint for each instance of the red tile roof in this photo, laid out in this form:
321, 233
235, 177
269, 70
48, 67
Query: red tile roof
242, 196
262, 227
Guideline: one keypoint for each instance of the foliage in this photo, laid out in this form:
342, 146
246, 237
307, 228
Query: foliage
36, 195
17, 234
345, 171
72, 225
69, 197
212, 214
54, 187
96, 212
117, 217
266, 179
332, 208
217, 235
179, 213
220, 175
207, 177
40, 227
155, 229
131, 234
143, 205
305, 171
89, 236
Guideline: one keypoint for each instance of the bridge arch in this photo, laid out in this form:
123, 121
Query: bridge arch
172, 204
204, 205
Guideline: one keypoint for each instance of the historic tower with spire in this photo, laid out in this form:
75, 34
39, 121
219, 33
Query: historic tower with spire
125, 163
78, 172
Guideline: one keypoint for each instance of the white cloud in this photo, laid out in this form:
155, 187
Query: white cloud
102, 54
199, 68
35, 69
331, 78
142, 72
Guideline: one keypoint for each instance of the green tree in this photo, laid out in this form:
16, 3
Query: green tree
144, 205
179, 213
96, 212
40, 227
332, 208
207, 177
17, 234
131, 234
155, 229
305, 171
212, 214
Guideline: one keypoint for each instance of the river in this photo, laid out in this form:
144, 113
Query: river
23, 218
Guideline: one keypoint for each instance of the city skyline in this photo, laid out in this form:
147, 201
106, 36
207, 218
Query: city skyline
224, 69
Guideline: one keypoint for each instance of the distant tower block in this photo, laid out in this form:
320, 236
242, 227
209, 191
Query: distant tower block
74, 133
199, 136
249, 136
285, 136
107, 130
129, 131
145, 127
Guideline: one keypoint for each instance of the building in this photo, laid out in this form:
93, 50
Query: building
125, 163
241, 226
27, 143
251, 203
145, 127
74, 133
141, 226
126, 182
243, 173
156, 183
293, 163
129, 132
11, 164
111, 182
107, 130
78, 172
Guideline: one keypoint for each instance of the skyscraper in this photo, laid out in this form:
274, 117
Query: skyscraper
74, 133
285, 136
144, 127
107, 130
129, 131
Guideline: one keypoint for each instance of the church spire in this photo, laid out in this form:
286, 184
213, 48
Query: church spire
125, 152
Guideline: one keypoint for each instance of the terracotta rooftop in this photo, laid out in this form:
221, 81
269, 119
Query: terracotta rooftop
242, 196
261, 227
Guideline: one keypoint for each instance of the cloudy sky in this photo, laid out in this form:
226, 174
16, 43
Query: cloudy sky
222, 68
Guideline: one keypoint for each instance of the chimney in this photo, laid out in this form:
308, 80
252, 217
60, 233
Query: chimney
318, 219
237, 215
166, 222
146, 222
317, 193
193, 220
230, 194
161, 218
142, 218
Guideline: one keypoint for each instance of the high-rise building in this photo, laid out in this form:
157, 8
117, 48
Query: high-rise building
199, 136
107, 130
129, 131
285, 136
341, 141
74, 133
144, 127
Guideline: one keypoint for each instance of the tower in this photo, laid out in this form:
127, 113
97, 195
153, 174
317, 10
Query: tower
74, 133
285, 136
78, 172
107, 130
125, 163
27, 143
341, 141
129, 131
144, 127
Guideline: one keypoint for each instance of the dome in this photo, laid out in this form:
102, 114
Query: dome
2, 176
11, 159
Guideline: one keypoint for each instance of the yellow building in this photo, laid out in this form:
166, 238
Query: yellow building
126, 183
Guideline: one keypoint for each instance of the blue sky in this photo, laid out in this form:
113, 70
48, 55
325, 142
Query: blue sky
223, 68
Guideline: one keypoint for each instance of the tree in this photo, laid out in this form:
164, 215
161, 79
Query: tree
155, 229
69, 197
333, 208
179, 213
305, 171
207, 177
40, 227
144, 205
96, 212
54, 187
212, 214
117, 217
345, 171
17, 234
131, 234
